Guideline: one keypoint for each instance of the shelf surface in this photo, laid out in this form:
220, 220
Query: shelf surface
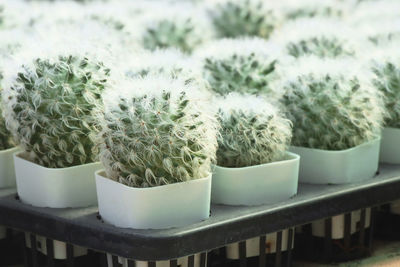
227, 224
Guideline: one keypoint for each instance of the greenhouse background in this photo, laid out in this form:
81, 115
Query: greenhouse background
218, 133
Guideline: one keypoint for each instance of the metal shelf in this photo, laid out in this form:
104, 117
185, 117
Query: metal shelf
227, 224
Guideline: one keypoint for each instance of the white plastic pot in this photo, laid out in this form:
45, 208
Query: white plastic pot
55, 188
390, 146
60, 248
7, 171
158, 207
181, 262
318, 227
253, 246
256, 185
338, 167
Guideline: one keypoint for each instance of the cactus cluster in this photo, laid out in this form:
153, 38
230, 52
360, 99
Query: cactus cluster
239, 65
156, 132
243, 18
48, 104
385, 65
252, 131
332, 106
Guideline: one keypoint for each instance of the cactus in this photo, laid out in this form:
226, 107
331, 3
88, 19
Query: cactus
10, 43
48, 108
239, 65
328, 38
156, 133
385, 65
243, 18
252, 131
180, 26
331, 104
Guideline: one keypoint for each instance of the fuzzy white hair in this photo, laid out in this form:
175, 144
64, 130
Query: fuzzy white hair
225, 48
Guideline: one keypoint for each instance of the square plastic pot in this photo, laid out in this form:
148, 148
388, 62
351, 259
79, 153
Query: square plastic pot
59, 248
55, 187
262, 184
390, 146
160, 207
7, 171
338, 167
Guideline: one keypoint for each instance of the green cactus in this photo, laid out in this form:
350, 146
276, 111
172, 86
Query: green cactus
332, 107
252, 131
243, 18
156, 133
172, 33
49, 105
239, 65
320, 46
328, 39
386, 68
9, 45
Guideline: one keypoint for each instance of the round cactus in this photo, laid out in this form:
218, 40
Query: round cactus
252, 131
243, 18
48, 108
386, 68
156, 133
328, 38
180, 26
239, 65
332, 105
11, 42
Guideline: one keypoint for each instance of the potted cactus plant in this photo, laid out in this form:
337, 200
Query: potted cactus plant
157, 144
384, 62
48, 103
253, 167
10, 44
243, 65
233, 19
337, 117
328, 39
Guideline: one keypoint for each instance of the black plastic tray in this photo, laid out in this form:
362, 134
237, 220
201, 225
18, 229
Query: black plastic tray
227, 224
